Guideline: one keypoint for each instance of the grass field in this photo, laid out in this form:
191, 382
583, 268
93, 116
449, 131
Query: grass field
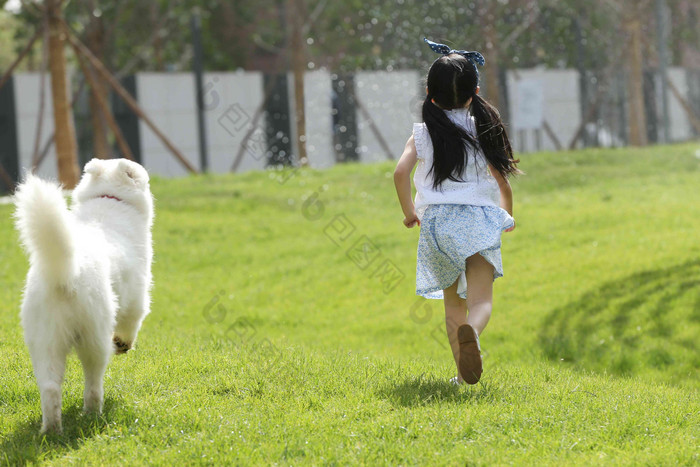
285, 329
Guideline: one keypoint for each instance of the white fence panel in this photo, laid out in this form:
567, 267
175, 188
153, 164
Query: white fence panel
561, 107
231, 100
27, 103
392, 100
389, 98
169, 100
319, 119
678, 119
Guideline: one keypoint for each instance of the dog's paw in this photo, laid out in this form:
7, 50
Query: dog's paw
120, 346
92, 408
53, 428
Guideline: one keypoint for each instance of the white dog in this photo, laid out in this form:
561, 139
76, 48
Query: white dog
90, 275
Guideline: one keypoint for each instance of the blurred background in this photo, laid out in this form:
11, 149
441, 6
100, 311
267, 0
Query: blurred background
190, 86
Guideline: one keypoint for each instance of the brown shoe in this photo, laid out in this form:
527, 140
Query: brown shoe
469, 354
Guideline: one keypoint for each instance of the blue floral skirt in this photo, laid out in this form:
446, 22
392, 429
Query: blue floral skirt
451, 233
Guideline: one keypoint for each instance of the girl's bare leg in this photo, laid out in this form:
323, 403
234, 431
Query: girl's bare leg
479, 292
478, 303
455, 316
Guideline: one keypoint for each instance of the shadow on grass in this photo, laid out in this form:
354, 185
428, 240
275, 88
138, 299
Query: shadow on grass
26, 446
416, 391
644, 323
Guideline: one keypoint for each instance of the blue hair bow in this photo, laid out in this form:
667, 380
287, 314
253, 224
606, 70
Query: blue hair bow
474, 57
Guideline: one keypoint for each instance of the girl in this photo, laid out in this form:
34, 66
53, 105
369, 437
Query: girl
464, 160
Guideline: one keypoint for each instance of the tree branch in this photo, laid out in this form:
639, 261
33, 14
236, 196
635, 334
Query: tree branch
20, 57
124, 94
522, 27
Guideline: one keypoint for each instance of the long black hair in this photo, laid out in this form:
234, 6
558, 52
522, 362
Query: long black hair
452, 81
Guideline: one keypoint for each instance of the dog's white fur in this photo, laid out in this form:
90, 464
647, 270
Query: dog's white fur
90, 275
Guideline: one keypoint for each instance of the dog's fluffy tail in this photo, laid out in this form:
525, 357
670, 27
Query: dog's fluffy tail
45, 223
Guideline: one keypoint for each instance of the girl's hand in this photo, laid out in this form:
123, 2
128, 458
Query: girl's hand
512, 228
411, 221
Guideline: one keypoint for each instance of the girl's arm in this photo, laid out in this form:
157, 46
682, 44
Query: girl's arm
402, 180
506, 192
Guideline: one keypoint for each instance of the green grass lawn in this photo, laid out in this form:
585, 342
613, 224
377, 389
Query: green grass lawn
285, 329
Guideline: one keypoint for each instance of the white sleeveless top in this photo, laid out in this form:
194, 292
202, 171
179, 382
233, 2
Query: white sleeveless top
479, 188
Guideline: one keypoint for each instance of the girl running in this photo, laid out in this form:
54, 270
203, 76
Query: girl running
463, 200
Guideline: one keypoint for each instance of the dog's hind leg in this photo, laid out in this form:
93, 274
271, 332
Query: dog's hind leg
94, 359
49, 363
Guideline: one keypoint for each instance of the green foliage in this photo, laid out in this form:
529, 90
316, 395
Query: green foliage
268, 344
154, 32
379, 35
7, 30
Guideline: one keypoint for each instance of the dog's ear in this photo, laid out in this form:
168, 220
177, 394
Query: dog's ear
134, 171
95, 167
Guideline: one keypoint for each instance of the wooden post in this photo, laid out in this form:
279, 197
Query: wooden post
590, 112
686, 106
50, 139
103, 109
66, 146
269, 88
372, 126
296, 44
124, 94
552, 135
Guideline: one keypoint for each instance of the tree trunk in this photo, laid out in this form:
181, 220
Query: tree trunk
296, 44
635, 79
64, 137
